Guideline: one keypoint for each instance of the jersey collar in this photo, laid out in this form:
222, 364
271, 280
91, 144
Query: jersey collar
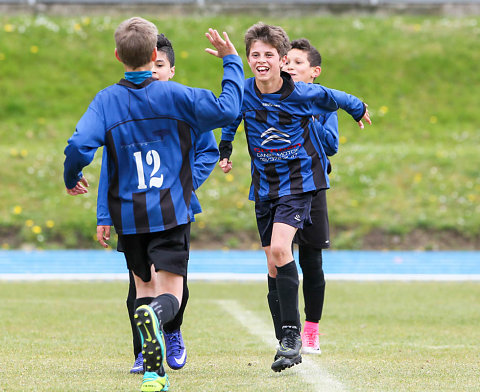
127, 83
287, 87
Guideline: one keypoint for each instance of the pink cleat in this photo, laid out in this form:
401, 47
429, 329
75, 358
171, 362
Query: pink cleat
310, 341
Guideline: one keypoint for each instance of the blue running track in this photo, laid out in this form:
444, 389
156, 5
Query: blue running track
245, 265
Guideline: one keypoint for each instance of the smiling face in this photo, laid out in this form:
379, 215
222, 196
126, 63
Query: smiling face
265, 62
161, 68
298, 66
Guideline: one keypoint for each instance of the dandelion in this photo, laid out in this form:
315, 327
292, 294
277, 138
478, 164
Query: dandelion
40, 238
417, 178
17, 210
354, 203
34, 49
383, 110
471, 197
184, 54
29, 223
433, 120
342, 139
14, 152
8, 28
240, 204
86, 21
2, 57
36, 229
50, 223
417, 27
77, 27
41, 120
23, 153
229, 177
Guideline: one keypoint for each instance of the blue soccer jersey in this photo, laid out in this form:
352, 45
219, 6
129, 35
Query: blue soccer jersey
286, 157
205, 159
150, 131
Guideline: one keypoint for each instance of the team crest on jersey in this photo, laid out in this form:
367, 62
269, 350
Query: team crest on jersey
273, 134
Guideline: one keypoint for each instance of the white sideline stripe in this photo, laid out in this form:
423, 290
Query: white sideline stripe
310, 371
249, 277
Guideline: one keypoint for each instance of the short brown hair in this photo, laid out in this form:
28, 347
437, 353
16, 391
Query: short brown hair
313, 55
136, 39
272, 35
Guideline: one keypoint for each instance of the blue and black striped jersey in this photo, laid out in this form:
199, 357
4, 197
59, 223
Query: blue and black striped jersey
286, 155
150, 131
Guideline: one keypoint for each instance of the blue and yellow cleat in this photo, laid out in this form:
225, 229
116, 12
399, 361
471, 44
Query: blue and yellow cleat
152, 382
153, 348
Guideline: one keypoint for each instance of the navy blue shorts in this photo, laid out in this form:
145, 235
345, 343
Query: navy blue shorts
316, 235
293, 210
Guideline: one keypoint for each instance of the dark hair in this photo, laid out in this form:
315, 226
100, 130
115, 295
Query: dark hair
272, 35
164, 45
313, 55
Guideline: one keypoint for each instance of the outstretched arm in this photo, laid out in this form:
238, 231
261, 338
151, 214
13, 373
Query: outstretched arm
224, 47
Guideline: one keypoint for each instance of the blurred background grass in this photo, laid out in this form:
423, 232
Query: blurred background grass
410, 181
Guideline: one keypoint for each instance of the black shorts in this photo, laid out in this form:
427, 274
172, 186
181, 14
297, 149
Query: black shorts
293, 210
316, 235
167, 250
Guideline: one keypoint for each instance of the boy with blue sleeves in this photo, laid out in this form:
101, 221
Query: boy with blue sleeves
288, 165
149, 129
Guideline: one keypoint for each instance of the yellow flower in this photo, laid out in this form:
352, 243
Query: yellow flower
13, 152
417, 27
240, 204
29, 223
184, 54
471, 197
417, 178
2, 57
8, 28
34, 49
17, 210
383, 110
23, 153
86, 21
37, 229
354, 203
229, 177
50, 223
77, 27
433, 119
201, 225
41, 120
342, 139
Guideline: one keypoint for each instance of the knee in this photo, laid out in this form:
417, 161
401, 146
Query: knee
279, 251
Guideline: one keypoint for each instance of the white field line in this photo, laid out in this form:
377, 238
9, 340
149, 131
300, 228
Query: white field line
310, 372
206, 276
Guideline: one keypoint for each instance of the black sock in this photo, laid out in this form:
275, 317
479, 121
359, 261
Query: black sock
132, 294
313, 282
287, 287
178, 319
165, 307
274, 305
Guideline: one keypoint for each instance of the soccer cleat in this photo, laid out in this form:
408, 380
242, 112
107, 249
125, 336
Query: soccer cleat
310, 340
152, 382
176, 351
138, 365
153, 348
288, 353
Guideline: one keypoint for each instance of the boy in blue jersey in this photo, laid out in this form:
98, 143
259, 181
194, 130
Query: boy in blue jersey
288, 165
149, 129
304, 65
206, 156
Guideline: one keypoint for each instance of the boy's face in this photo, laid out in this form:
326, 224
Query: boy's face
298, 66
161, 67
264, 61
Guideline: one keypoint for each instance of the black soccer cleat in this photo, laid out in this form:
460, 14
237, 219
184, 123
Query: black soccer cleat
288, 354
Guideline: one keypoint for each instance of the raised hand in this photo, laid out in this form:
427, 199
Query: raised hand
224, 47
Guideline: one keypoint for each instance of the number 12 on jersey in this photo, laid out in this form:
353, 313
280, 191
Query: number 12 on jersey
152, 158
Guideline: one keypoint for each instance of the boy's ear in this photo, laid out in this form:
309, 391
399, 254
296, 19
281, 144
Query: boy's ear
117, 56
316, 71
283, 60
154, 55
172, 72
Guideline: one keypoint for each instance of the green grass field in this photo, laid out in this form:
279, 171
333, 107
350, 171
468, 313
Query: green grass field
410, 181
72, 336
